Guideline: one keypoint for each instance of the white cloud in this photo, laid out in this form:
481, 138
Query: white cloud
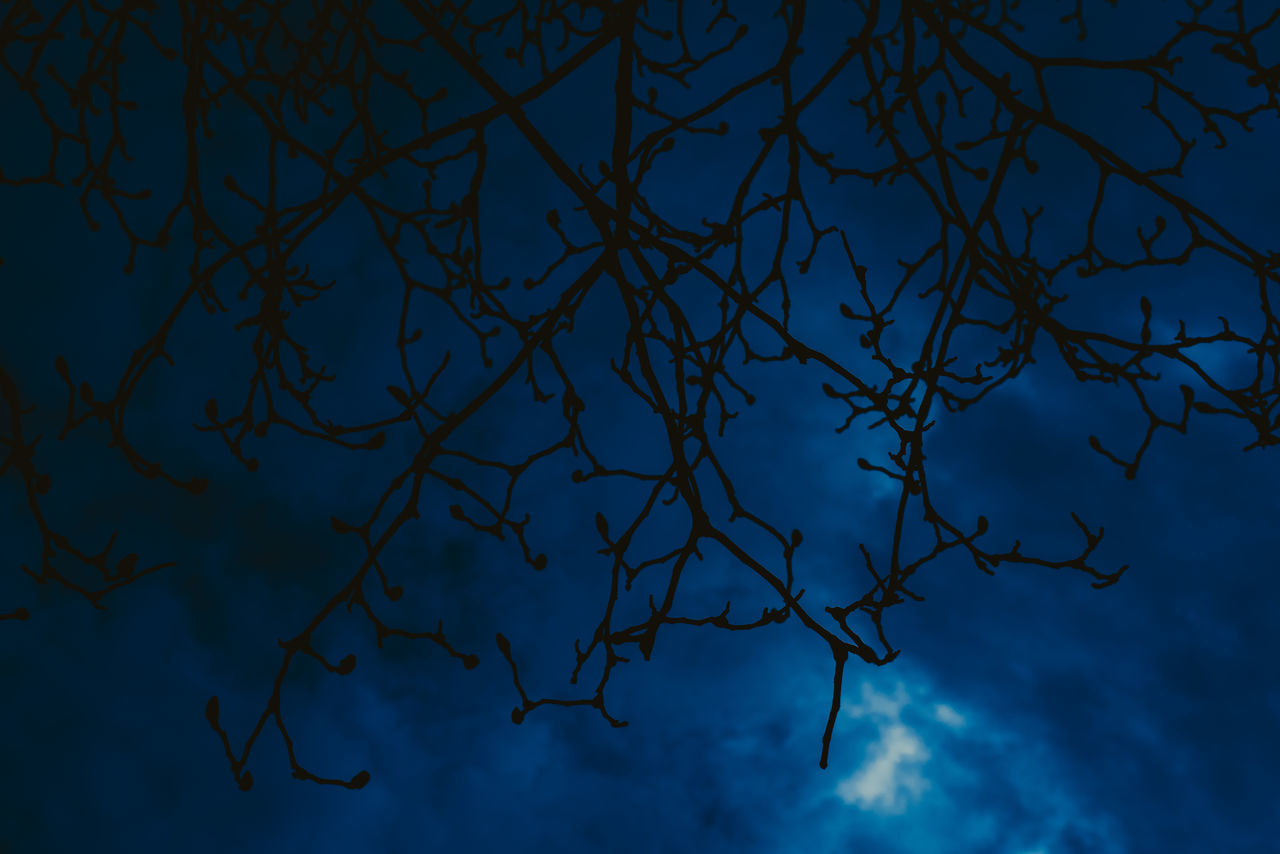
989, 785
949, 716
883, 706
890, 779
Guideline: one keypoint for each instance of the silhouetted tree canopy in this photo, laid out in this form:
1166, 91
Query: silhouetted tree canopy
585, 213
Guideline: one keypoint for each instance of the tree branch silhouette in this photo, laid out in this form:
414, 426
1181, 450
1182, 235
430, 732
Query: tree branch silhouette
951, 99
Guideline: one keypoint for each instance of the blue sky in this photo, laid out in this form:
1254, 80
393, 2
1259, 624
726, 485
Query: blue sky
1026, 714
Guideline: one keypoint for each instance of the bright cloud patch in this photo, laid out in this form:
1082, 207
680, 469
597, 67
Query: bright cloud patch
947, 715
979, 786
890, 779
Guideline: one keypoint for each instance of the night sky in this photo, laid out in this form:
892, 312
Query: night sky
1027, 712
